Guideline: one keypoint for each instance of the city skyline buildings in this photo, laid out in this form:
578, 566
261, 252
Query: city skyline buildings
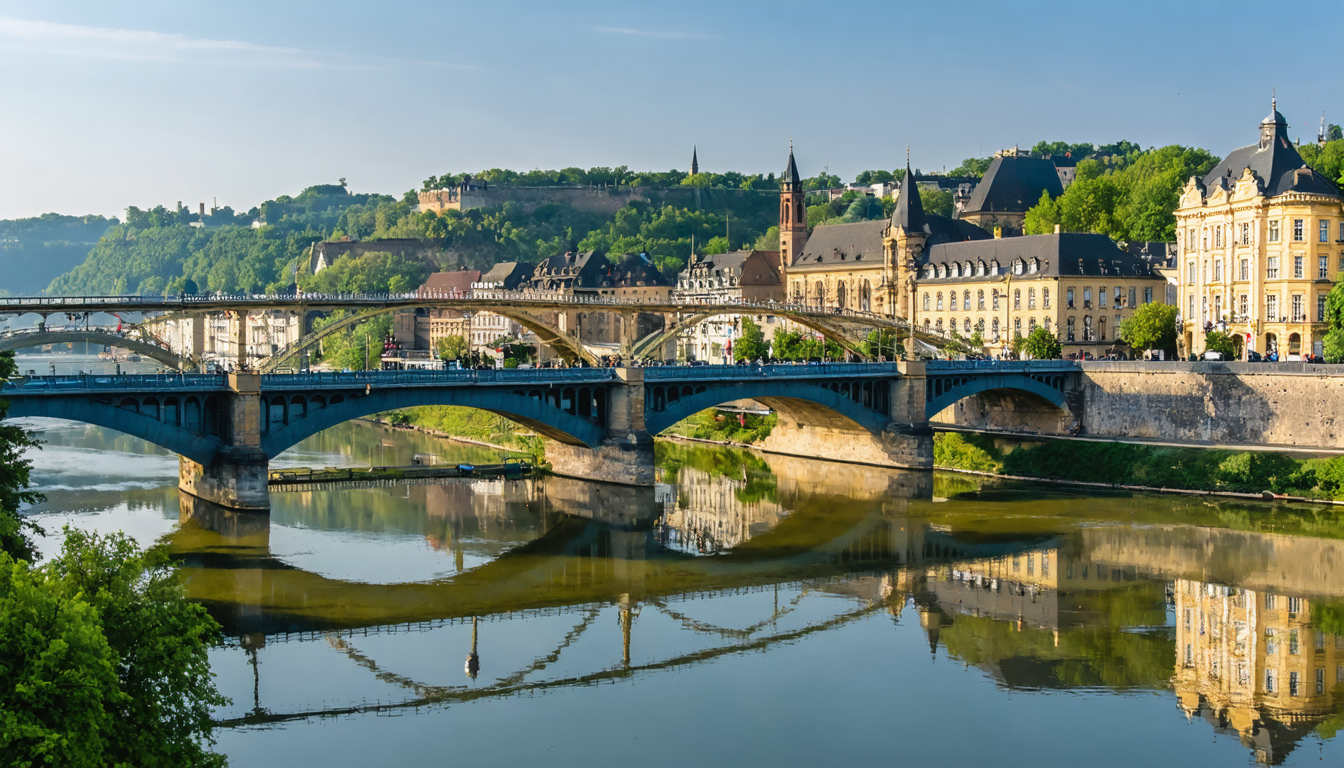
154, 102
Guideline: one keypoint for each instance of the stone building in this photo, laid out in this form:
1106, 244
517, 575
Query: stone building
1010, 187
488, 327
1261, 241
421, 329
950, 274
721, 278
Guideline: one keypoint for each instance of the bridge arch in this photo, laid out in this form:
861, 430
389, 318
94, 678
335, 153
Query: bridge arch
859, 404
559, 413
945, 391
104, 338
190, 424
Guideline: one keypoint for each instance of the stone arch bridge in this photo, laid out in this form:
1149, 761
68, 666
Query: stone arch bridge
137, 341
598, 423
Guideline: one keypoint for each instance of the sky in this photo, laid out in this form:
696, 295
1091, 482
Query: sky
105, 105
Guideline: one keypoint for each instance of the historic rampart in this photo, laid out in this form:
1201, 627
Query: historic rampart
1205, 403
600, 200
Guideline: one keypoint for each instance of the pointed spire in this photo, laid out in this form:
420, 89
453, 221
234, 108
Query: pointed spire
1273, 99
791, 178
909, 213
695, 160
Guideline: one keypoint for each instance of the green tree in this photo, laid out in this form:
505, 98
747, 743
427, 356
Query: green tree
129, 615
936, 201
1043, 217
15, 469
716, 245
451, 348
1217, 341
1152, 326
1042, 345
881, 342
750, 344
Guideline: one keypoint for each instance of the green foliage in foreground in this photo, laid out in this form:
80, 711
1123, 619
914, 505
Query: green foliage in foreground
1042, 345
1152, 326
103, 660
1195, 469
14, 477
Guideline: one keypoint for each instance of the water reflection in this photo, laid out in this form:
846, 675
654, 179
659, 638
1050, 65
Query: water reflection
752, 570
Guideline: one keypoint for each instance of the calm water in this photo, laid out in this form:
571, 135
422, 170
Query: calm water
749, 610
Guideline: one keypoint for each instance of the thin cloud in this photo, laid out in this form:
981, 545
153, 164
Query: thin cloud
145, 45
658, 34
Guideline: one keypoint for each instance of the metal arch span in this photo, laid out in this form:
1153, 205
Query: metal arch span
198, 447
139, 346
789, 396
535, 413
974, 385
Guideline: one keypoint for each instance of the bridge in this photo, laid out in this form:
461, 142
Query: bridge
598, 423
137, 340
536, 311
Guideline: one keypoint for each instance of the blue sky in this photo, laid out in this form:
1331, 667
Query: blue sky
108, 105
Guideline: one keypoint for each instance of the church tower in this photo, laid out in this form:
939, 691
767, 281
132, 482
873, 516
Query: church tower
904, 244
792, 217
695, 161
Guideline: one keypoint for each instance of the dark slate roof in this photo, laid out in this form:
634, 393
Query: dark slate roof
574, 262
831, 244
728, 262
1014, 184
630, 270
791, 170
1275, 161
1062, 255
909, 213
508, 273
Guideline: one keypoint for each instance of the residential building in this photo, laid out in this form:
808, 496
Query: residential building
1261, 242
488, 327
751, 276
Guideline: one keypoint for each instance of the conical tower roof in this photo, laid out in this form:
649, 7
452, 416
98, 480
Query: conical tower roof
909, 213
791, 170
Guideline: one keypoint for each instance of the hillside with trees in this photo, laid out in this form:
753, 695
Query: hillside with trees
36, 250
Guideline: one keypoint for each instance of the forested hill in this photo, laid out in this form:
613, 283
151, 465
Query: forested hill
34, 251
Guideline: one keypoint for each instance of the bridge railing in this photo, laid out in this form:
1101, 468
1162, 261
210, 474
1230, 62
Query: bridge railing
736, 372
346, 379
36, 385
1001, 365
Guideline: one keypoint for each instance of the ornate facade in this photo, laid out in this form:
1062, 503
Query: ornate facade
1261, 241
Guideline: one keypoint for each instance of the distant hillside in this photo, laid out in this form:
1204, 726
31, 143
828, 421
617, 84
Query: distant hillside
36, 250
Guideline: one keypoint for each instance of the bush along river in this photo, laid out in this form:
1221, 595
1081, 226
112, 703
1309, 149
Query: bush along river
749, 609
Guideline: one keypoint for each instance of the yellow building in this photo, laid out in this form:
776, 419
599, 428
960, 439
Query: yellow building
1261, 240
947, 274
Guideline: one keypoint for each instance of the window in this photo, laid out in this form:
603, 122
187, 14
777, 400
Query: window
980, 326
1190, 273
952, 300
966, 301
1031, 324
940, 302
1045, 298
926, 301
1271, 680
1190, 316
1325, 230
1101, 297
1245, 233
994, 329
1297, 267
1087, 298
1271, 316
1341, 231
1299, 230
1017, 327
1069, 293
1274, 231
1245, 273
939, 325
1341, 262
1069, 325
1031, 298
1298, 315
1293, 647
1204, 240
1294, 607
1218, 236
995, 298
1148, 295
1047, 323
1272, 267
1245, 302
1131, 301
1271, 601
1320, 307
1320, 681
1322, 267
1119, 296
1017, 298
1217, 270
1292, 685
1087, 329
1101, 327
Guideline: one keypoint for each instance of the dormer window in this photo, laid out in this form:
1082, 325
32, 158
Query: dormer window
1035, 266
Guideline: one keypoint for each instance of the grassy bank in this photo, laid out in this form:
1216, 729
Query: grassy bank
1194, 469
470, 423
710, 424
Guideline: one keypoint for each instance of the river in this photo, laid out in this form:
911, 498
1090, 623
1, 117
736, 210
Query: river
751, 609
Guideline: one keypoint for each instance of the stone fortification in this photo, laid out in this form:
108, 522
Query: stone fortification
599, 200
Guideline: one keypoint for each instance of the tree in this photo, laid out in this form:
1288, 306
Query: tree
1152, 326
124, 659
1043, 217
881, 342
1217, 341
14, 477
715, 245
750, 344
451, 348
1041, 344
1334, 315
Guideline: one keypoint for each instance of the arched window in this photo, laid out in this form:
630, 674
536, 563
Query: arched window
952, 324
788, 214
966, 270
939, 325
1017, 298
994, 330
966, 326
940, 303
1101, 327
1087, 328
1047, 323
866, 296
966, 300
980, 326
1070, 325
927, 323
1031, 324
1045, 298
954, 269
1017, 327
840, 295
952, 300
926, 301
996, 298
980, 299
1031, 298
820, 297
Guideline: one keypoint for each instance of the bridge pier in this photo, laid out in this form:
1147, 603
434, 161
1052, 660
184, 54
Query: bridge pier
625, 454
237, 476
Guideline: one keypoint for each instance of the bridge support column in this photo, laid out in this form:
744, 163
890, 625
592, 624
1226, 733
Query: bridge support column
237, 476
625, 455
906, 442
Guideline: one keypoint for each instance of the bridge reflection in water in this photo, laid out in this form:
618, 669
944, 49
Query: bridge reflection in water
736, 553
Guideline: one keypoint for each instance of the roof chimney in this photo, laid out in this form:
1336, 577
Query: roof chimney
1056, 229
